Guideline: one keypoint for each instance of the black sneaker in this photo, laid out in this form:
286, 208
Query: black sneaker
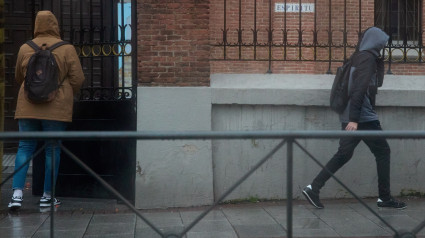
312, 197
15, 203
391, 203
46, 202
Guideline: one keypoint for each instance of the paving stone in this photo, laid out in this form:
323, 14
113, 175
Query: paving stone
112, 218
332, 213
267, 230
280, 213
22, 231
348, 226
418, 215
147, 232
65, 224
214, 215
308, 223
110, 236
160, 219
13, 221
398, 222
323, 232
248, 216
60, 233
212, 226
110, 229
221, 234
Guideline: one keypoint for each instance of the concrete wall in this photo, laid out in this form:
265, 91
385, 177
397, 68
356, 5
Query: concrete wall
191, 173
174, 173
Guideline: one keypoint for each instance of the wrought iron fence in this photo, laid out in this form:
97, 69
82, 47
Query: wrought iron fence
272, 34
103, 33
288, 138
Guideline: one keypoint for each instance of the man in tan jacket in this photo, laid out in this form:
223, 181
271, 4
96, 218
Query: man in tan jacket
49, 116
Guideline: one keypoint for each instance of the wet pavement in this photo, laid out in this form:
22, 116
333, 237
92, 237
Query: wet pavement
83, 217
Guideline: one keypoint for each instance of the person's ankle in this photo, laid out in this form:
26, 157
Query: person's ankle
47, 195
315, 189
17, 193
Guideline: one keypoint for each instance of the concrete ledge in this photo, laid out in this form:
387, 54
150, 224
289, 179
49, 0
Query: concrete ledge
307, 90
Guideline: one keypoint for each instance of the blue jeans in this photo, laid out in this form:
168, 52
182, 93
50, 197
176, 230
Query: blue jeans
27, 148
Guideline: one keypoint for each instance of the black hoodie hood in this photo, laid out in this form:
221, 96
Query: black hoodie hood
373, 40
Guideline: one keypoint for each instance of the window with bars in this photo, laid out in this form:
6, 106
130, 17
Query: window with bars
401, 19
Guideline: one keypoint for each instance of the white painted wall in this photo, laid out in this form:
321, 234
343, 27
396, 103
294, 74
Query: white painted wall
174, 173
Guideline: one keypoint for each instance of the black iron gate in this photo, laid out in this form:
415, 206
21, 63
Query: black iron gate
102, 34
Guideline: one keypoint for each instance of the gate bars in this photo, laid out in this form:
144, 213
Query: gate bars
395, 51
104, 41
288, 137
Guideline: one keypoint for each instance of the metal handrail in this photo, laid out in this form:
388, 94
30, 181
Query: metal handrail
180, 135
287, 137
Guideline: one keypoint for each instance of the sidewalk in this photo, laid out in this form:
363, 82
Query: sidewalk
82, 217
105, 218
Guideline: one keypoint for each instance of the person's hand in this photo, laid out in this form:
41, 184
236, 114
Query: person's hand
352, 126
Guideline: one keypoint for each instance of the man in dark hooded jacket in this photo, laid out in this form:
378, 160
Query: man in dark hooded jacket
366, 75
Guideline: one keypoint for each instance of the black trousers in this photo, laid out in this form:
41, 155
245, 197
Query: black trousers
378, 146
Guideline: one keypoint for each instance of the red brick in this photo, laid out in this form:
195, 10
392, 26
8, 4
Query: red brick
184, 38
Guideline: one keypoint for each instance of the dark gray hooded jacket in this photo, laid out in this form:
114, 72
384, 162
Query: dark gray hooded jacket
366, 76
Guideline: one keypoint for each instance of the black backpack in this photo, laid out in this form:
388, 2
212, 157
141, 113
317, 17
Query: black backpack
42, 79
339, 92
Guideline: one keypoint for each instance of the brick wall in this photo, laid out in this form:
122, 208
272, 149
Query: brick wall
173, 46
180, 41
281, 22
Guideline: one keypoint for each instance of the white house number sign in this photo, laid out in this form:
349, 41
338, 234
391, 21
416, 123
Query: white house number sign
294, 7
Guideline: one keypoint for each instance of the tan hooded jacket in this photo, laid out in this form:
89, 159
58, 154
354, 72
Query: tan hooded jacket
46, 31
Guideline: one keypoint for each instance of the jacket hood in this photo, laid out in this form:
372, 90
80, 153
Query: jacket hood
373, 40
46, 24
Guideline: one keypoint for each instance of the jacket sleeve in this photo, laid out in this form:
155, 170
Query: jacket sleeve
365, 69
75, 72
380, 68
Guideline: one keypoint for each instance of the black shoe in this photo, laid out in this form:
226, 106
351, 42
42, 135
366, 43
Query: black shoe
312, 197
46, 202
391, 203
15, 203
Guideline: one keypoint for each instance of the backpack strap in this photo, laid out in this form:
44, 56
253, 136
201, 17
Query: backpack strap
60, 43
33, 45
51, 48
54, 46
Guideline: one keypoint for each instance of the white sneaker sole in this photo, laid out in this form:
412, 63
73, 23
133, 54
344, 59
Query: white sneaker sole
14, 205
310, 200
48, 204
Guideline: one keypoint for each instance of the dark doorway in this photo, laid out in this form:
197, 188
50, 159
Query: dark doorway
102, 34
400, 19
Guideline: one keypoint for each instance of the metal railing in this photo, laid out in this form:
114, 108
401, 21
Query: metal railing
263, 35
101, 35
288, 138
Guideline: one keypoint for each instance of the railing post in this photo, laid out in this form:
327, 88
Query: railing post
255, 31
390, 41
2, 79
270, 36
289, 186
240, 30
300, 31
52, 198
330, 37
